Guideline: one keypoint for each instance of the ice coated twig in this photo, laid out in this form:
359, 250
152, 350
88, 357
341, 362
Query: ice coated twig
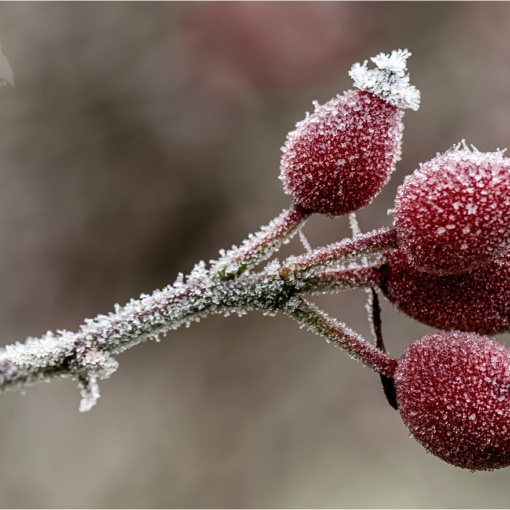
86, 355
335, 332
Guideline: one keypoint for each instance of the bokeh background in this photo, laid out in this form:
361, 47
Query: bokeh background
142, 137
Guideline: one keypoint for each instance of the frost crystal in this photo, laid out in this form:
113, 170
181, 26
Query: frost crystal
389, 80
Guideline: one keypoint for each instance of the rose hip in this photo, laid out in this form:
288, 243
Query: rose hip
339, 157
453, 394
453, 213
476, 301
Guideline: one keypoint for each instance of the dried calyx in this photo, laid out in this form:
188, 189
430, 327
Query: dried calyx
340, 157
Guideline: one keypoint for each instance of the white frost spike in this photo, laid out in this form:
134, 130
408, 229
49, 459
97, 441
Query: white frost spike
89, 390
389, 80
304, 241
353, 223
94, 365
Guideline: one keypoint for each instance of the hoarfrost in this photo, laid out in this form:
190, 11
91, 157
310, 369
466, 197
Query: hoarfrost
304, 241
389, 80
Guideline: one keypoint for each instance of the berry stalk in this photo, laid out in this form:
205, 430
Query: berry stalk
339, 334
345, 278
260, 246
373, 242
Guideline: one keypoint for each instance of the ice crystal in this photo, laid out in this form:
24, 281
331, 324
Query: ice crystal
388, 80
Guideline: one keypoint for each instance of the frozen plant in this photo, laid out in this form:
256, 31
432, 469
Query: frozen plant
446, 263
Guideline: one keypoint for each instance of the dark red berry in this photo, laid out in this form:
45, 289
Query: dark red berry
339, 157
476, 301
453, 213
453, 394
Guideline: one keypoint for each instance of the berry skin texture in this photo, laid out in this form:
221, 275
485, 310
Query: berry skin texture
453, 394
340, 157
475, 301
453, 213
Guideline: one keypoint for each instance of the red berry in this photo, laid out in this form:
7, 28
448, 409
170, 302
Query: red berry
476, 301
453, 394
339, 157
453, 213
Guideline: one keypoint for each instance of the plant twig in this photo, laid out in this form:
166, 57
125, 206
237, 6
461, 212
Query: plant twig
86, 355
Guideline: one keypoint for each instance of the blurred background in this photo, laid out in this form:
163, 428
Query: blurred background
142, 137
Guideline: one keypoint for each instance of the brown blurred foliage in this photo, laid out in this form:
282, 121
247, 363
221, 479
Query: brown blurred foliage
143, 137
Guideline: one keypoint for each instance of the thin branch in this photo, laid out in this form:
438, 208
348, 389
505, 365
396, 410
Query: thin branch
86, 355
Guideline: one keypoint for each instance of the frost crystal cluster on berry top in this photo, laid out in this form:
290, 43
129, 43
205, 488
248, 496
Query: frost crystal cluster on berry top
389, 80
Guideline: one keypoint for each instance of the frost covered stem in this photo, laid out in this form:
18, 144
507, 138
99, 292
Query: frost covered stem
373, 242
260, 246
86, 355
346, 278
339, 334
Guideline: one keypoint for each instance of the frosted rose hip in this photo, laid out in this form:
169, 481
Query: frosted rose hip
476, 301
339, 157
453, 213
453, 394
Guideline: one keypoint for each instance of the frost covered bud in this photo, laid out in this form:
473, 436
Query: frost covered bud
453, 394
476, 301
339, 157
453, 213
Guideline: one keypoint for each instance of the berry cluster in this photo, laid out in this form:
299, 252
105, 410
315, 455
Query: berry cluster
449, 268
445, 262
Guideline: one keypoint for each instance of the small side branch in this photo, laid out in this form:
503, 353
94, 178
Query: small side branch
374, 311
